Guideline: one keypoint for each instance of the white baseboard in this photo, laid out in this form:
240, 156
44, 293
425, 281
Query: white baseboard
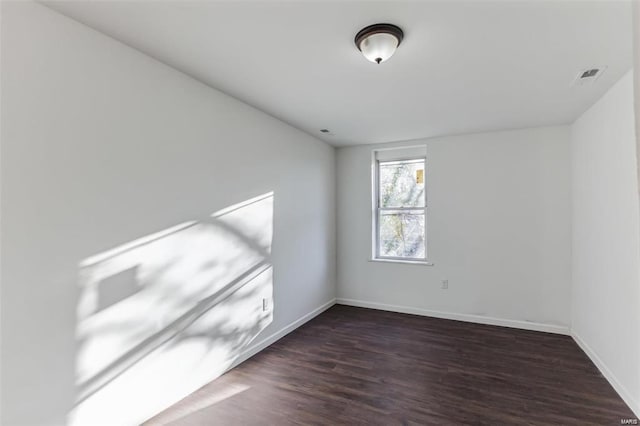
611, 378
526, 325
480, 319
269, 340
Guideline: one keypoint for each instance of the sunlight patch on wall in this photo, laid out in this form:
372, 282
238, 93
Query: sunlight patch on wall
161, 316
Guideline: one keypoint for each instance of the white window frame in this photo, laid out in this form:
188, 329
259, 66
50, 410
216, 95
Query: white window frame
377, 209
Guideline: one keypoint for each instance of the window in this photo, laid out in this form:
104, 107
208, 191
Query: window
400, 210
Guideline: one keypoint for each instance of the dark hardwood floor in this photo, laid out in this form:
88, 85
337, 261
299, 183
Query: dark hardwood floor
360, 366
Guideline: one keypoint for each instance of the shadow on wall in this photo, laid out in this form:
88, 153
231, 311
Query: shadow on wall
161, 316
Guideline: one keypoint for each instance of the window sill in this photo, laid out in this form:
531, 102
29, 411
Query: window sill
408, 262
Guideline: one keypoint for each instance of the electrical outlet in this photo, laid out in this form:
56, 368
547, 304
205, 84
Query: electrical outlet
265, 305
445, 284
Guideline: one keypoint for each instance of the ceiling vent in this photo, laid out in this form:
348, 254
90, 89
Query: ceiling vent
588, 76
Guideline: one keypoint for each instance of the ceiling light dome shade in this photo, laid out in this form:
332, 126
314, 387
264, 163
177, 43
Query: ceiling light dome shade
379, 42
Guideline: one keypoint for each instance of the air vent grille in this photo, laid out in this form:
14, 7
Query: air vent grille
588, 76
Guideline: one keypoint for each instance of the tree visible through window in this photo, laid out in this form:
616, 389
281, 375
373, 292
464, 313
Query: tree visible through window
401, 208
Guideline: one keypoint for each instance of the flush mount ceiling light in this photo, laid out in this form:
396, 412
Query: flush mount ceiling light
378, 42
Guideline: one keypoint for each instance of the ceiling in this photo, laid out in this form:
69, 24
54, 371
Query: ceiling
462, 67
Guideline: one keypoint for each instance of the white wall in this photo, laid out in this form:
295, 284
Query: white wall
636, 73
498, 229
102, 145
606, 235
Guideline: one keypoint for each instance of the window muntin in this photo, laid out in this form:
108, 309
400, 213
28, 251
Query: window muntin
400, 210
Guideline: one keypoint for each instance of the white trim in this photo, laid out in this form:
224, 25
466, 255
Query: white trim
400, 153
375, 200
268, 341
608, 374
407, 261
479, 319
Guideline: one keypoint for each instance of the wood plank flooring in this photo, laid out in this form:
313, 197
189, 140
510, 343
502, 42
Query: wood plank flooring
356, 366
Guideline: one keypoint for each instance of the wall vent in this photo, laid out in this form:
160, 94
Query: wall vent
588, 76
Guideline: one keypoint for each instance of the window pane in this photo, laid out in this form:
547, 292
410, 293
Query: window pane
402, 183
402, 234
